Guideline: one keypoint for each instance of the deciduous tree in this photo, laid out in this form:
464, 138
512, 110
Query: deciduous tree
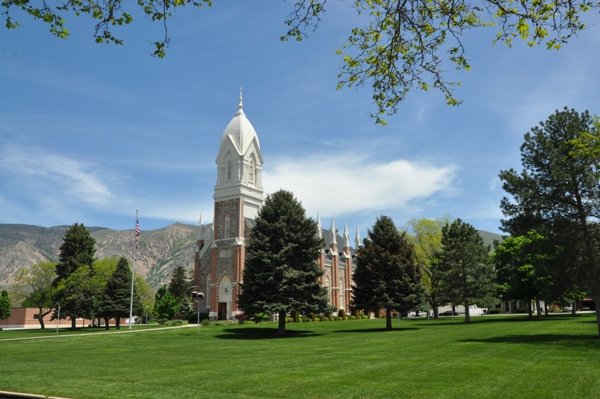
281, 274
468, 277
36, 283
165, 305
426, 236
387, 275
403, 44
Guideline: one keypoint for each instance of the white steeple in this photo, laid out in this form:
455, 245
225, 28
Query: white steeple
319, 227
346, 236
357, 239
333, 232
239, 165
200, 228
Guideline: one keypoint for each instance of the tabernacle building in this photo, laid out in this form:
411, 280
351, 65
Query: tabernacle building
221, 246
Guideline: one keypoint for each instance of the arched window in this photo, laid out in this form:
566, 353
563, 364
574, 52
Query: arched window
342, 296
228, 169
251, 172
227, 226
208, 291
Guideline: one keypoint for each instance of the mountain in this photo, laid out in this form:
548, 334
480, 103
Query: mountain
159, 251
488, 237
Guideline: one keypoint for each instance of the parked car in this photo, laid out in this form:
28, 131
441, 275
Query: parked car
448, 313
567, 308
585, 308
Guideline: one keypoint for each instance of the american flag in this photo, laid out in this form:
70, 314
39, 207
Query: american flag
137, 231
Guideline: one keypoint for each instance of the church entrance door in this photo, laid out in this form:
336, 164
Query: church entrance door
222, 315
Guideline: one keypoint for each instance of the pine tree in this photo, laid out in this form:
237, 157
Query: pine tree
180, 287
78, 249
281, 274
4, 305
116, 298
467, 277
387, 275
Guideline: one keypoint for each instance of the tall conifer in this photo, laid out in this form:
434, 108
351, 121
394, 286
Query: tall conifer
117, 294
281, 274
387, 275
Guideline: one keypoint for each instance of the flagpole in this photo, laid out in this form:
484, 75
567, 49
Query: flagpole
137, 233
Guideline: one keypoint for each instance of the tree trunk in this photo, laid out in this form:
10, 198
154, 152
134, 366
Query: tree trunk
118, 325
281, 324
388, 318
73, 321
546, 307
539, 309
434, 306
529, 311
467, 315
41, 317
573, 309
106, 326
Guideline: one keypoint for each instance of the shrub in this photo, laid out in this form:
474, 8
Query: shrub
313, 317
174, 323
296, 317
289, 320
342, 314
494, 311
352, 317
365, 317
330, 318
337, 318
205, 322
241, 318
520, 310
305, 319
322, 317
260, 317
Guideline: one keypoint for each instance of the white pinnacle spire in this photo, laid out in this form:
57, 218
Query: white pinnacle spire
200, 228
357, 239
333, 232
346, 236
319, 230
240, 105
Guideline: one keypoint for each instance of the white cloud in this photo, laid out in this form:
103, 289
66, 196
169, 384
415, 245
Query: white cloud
350, 183
32, 169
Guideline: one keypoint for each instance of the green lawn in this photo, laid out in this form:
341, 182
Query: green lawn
494, 357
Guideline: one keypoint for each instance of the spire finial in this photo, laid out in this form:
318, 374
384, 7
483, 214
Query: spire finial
333, 232
346, 236
319, 230
200, 228
240, 105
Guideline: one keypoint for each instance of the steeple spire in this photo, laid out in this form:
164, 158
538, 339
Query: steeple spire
200, 228
346, 236
319, 229
240, 105
333, 232
357, 239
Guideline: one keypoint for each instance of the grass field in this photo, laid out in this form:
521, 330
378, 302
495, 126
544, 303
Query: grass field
494, 357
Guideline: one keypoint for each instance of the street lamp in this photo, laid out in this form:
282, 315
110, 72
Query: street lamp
197, 296
58, 318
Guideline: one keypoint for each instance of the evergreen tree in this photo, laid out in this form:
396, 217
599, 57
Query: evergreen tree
387, 275
281, 274
467, 276
180, 287
166, 305
78, 249
558, 192
116, 298
4, 305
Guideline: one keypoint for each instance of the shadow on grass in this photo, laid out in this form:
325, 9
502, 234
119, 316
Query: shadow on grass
569, 340
377, 330
497, 319
262, 333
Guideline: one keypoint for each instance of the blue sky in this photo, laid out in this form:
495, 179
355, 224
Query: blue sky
89, 133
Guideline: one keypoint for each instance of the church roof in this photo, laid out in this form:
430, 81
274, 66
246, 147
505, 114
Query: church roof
240, 131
